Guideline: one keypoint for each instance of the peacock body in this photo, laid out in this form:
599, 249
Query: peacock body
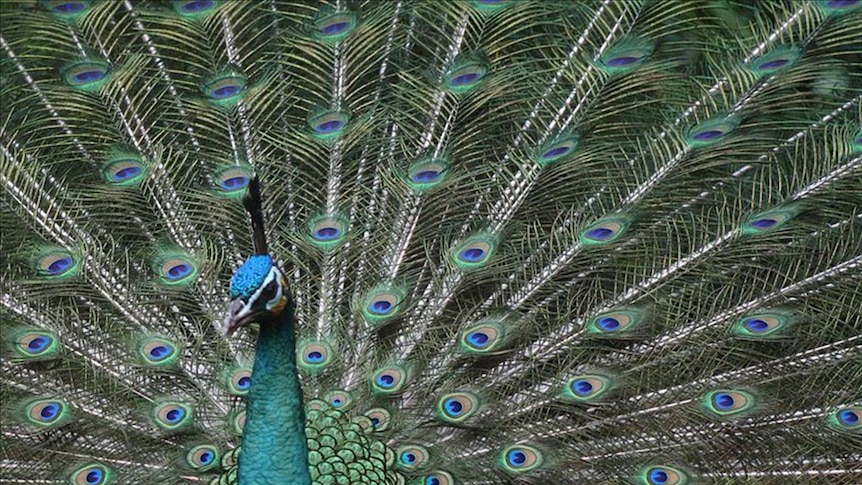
510, 242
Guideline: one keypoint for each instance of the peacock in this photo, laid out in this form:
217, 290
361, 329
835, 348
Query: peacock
431, 242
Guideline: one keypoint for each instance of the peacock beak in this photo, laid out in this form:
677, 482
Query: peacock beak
239, 313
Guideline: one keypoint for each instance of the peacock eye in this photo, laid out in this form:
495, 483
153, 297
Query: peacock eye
269, 291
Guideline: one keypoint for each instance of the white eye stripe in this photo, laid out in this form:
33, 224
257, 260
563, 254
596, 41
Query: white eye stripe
274, 275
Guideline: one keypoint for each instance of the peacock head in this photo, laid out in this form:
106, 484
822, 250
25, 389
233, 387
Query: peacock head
258, 292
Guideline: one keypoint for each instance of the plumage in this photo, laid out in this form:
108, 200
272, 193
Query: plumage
491, 242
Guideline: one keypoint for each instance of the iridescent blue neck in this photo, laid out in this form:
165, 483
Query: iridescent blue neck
274, 450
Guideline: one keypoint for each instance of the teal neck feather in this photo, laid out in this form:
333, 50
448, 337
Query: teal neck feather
274, 449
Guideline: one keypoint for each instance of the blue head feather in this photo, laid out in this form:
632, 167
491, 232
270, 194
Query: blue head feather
250, 276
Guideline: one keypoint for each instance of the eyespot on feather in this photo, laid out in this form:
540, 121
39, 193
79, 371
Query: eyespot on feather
712, 130
172, 416
587, 387
626, 55
86, 74
194, 8
232, 180
521, 459
225, 89
382, 303
605, 230
427, 173
91, 474
380, 419
662, 475
35, 344
389, 380
203, 457
475, 252
124, 170
438, 477
330, 26
412, 457
485, 337
340, 400
762, 325
616, 323
728, 403
158, 351
327, 125
838, 7
846, 420
465, 75
558, 149
55, 263
315, 356
327, 231
770, 220
175, 268
237, 422
457, 407
66, 9
47, 413
776, 60
238, 381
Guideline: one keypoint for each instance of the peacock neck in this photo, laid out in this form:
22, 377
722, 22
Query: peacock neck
274, 449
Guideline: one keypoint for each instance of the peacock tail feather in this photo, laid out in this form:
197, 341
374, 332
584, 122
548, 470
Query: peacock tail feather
526, 241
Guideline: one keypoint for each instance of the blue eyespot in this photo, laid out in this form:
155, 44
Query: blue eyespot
622, 61
517, 457
426, 176
472, 254
197, 5
244, 383
453, 406
600, 233
479, 339
555, 152
69, 7
89, 76
50, 411
60, 265
764, 223
848, 417
329, 126
756, 325
95, 476
175, 415
326, 233
708, 135
380, 307
336, 28
774, 64
658, 476
159, 352
723, 401
408, 457
315, 356
608, 324
375, 422
386, 380
466, 78
39, 343
178, 271
583, 387
235, 183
